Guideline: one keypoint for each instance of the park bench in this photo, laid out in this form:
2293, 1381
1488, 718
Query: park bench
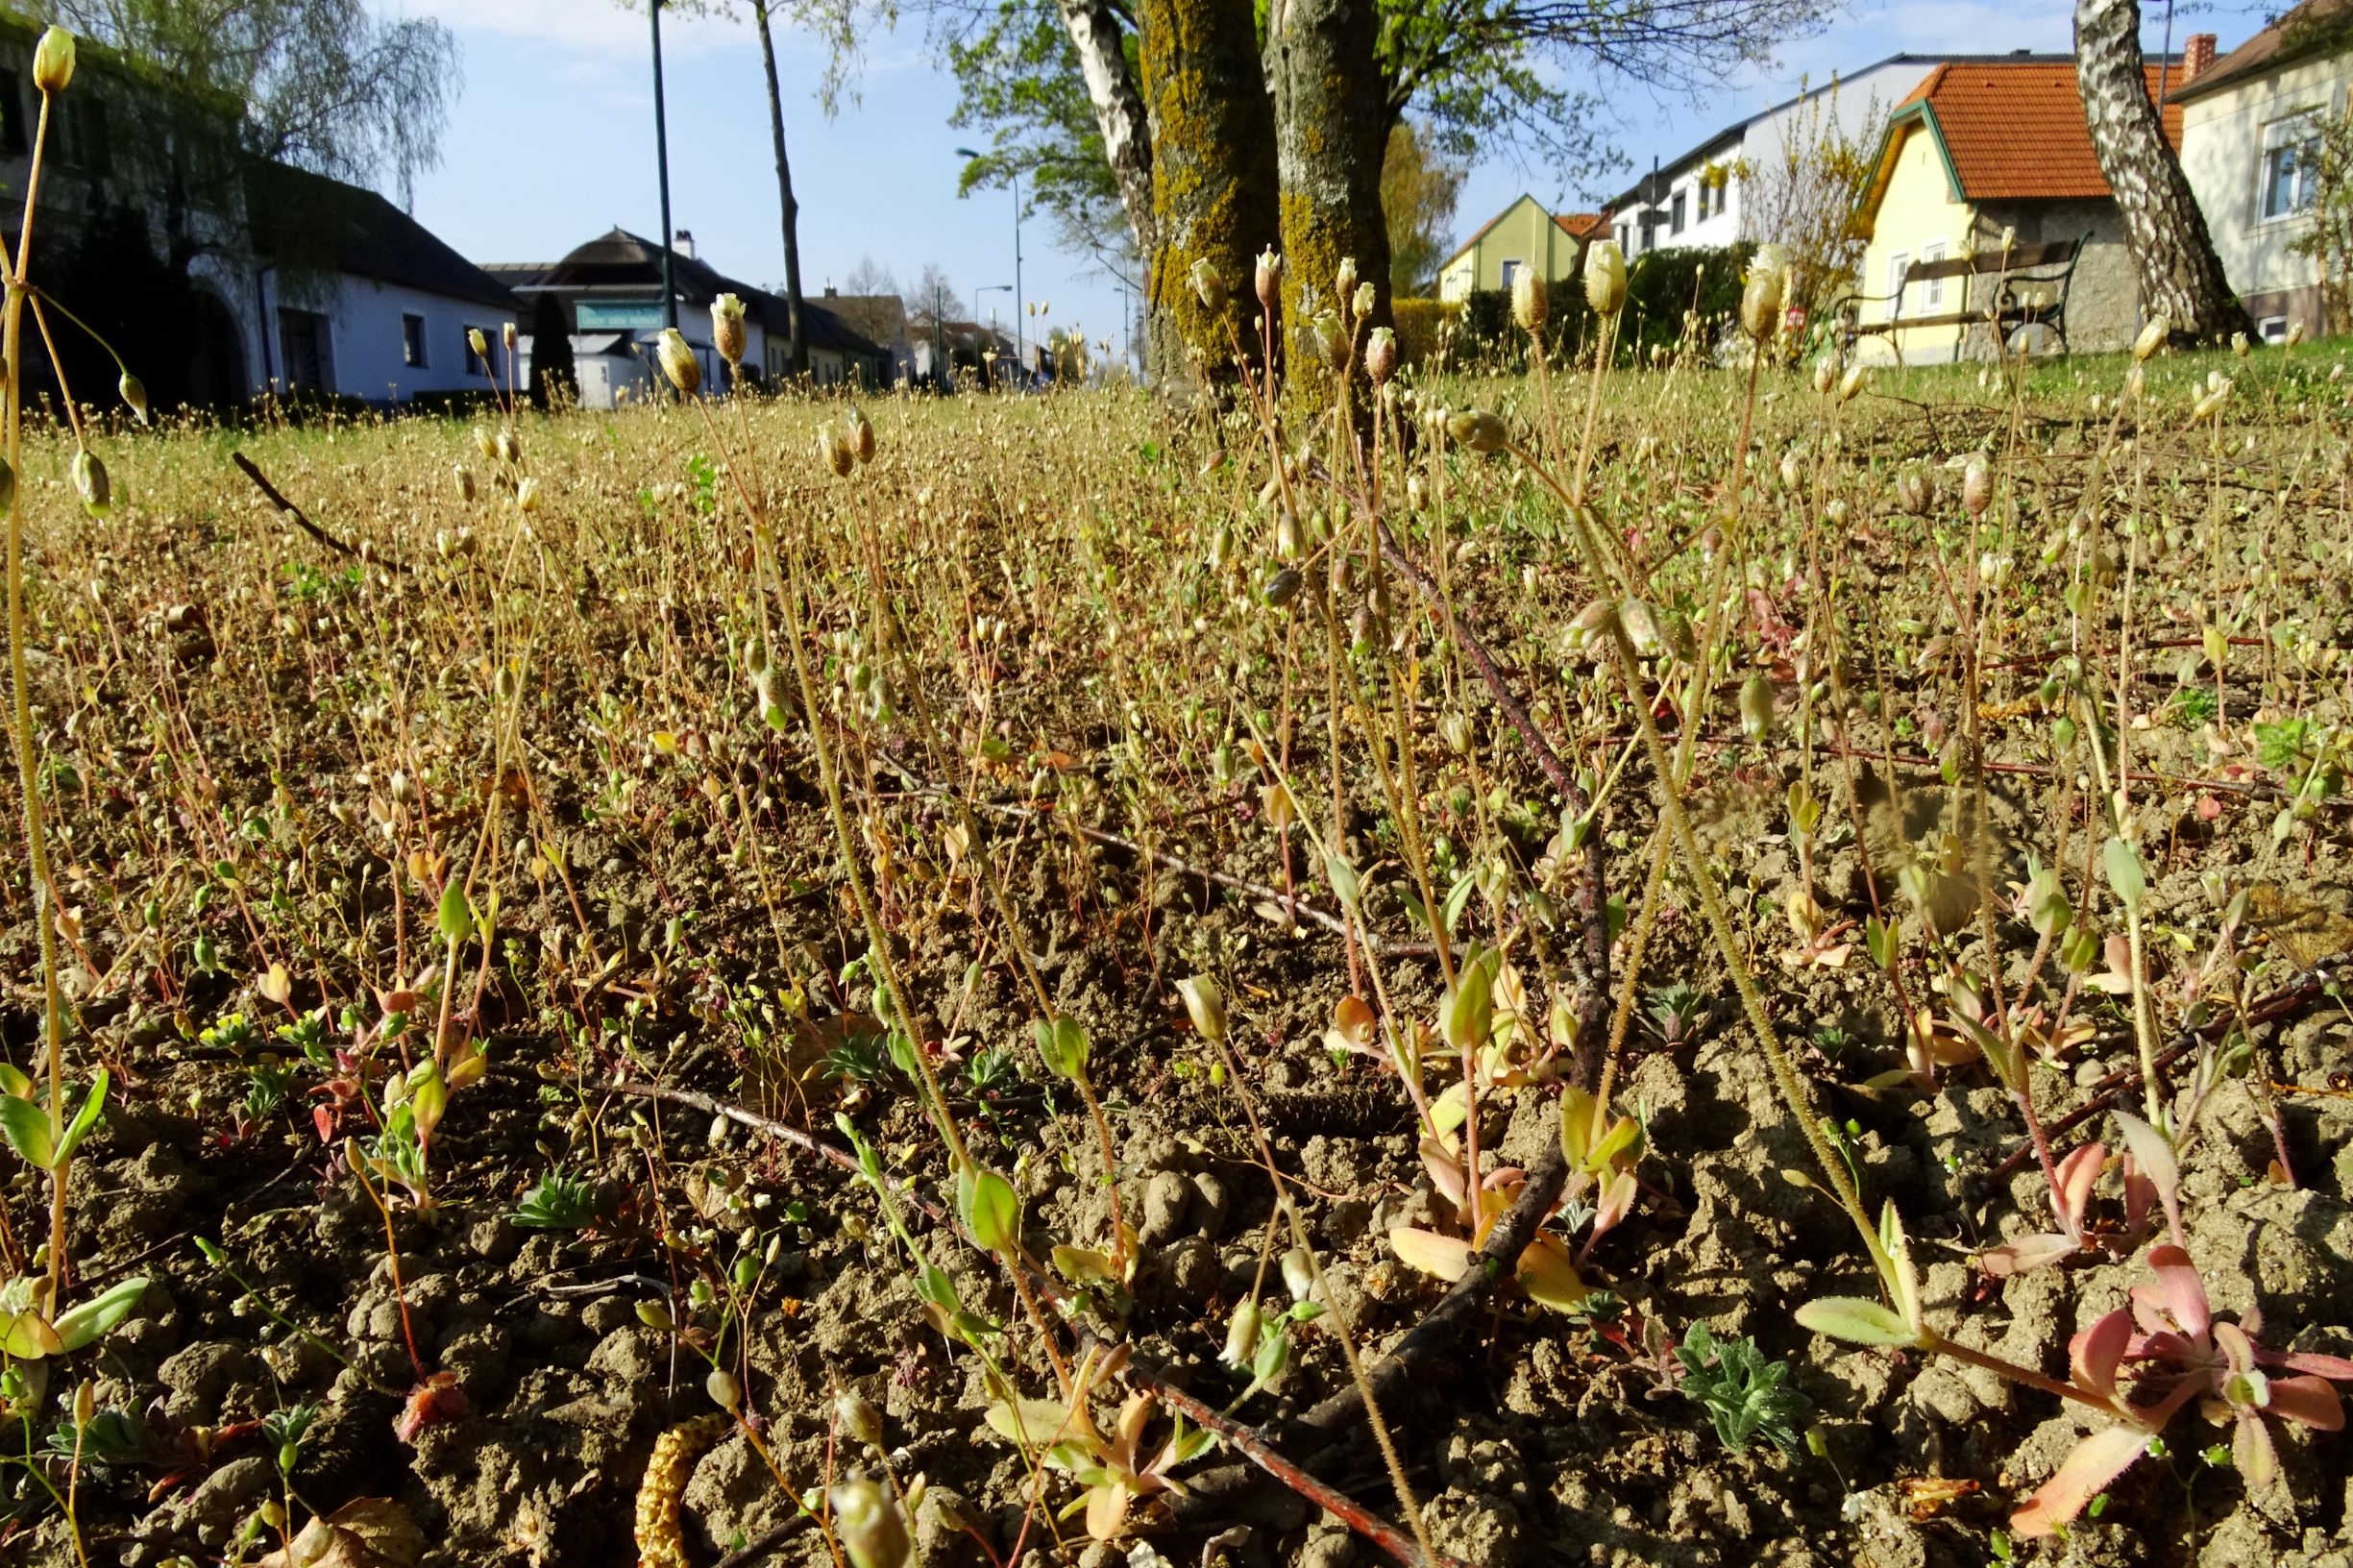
2027, 284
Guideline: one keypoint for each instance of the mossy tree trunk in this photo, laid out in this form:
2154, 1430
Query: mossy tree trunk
1212, 181
1331, 131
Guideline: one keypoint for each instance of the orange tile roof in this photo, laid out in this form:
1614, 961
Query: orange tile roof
1582, 225
2014, 132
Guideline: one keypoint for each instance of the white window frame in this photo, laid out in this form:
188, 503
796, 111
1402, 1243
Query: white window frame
1676, 211
1934, 299
2293, 132
2271, 330
1898, 264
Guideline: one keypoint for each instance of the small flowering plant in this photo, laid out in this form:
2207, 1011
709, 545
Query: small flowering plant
2181, 1353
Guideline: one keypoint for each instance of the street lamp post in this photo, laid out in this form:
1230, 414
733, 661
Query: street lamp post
661, 159
987, 288
1016, 174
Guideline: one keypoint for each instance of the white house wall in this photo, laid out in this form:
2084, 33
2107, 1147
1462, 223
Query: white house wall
2221, 152
365, 340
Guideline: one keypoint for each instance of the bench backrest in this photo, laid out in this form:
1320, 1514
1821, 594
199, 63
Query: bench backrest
2017, 259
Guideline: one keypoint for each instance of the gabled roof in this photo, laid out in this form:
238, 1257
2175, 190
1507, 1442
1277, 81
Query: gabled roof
1582, 225
2317, 27
2008, 130
357, 232
1653, 187
1509, 207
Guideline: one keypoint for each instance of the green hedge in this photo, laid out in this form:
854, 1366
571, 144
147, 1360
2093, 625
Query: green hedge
1662, 287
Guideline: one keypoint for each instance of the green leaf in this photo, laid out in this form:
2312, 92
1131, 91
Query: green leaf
15, 1082
1857, 1322
26, 1127
93, 1105
1344, 884
991, 1210
28, 1337
82, 1324
1064, 1045
2125, 874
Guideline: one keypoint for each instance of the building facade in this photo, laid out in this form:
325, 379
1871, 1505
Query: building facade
2250, 126
1523, 235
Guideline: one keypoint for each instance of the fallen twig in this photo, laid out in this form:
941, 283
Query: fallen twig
294, 514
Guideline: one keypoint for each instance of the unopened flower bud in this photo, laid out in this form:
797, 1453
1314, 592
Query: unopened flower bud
479, 344
726, 1392
526, 493
1299, 1273
485, 443
834, 453
1344, 280
678, 362
1331, 338
1978, 486
858, 434
465, 477
1851, 383
1241, 1334
134, 394
1606, 277
1760, 303
1366, 298
1381, 353
90, 481
1825, 376
1477, 429
2153, 338
53, 61
2240, 346
2295, 333
869, 1523
859, 1417
1528, 301
1756, 707
1270, 276
728, 334
1206, 1005
507, 448
507, 335
1211, 287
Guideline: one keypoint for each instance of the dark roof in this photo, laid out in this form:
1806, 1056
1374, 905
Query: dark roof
880, 317
2317, 27
325, 222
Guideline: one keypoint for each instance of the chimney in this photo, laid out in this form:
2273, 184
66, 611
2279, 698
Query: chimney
831, 292
685, 245
2197, 58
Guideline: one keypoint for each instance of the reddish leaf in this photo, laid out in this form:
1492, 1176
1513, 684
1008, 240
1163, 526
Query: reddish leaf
2096, 1353
2076, 1174
2308, 1402
2089, 1469
2176, 1300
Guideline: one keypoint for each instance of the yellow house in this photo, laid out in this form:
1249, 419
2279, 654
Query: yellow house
1981, 151
1521, 236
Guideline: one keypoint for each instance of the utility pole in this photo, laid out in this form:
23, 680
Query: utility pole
661, 159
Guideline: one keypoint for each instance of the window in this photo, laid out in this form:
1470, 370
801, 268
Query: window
1935, 286
475, 364
1511, 271
1674, 214
2291, 158
2272, 329
412, 342
1898, 266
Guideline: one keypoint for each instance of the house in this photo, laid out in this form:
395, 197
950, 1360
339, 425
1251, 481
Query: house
610, 289
361, 301
1523, 234
881, 319
1705, 197
944, 350
2249, 131
1984, 149
222, 276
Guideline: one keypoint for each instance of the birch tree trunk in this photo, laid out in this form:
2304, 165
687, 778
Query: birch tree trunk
1331, 128
1212, 181
1119, 109
2181, 278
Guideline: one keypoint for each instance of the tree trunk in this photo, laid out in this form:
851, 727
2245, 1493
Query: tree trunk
1119, 109
1331, 127
798, 338
1212, 181
2181, 278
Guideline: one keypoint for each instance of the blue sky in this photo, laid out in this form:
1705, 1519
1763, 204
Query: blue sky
550, 142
